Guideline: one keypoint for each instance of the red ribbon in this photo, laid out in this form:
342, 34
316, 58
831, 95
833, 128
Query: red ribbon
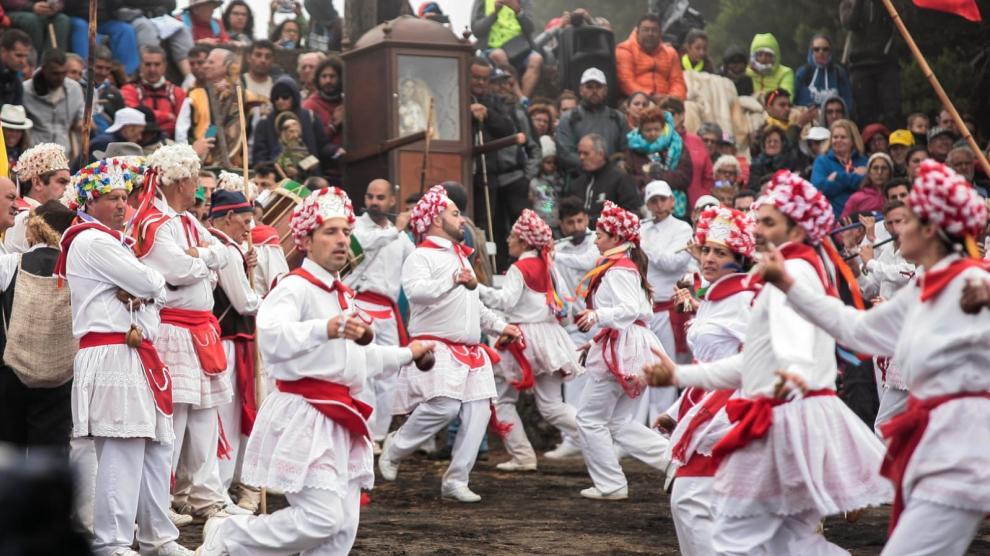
155, 372
338, 287
205, 331
753, 418
709, 408
518, 351
393, 312
609, 338
472, 355
344, 410
244, 369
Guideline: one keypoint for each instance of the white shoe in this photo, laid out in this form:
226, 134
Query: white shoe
595, 494
388, 469
516, 465
462, 494
566, 449
179, 520
212, 543
248, 498
173, 549
125, 552
233, 509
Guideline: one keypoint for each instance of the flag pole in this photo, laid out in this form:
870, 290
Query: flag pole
87, 123
933, 80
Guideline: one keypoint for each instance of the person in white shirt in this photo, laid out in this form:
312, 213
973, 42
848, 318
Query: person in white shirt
174, 242
664, 240
545, 357
444, 307
121, 392
618, 301
311, 439
377, 281
43, 172
937, 332
791, 458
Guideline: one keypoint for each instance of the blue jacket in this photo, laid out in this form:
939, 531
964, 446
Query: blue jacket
813, 84
845, 183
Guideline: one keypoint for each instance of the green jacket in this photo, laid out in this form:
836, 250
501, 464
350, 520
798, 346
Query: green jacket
779, 77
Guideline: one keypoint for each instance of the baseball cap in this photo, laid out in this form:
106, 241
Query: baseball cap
901, 137
658, 188
706, 201
593, 74
937, 131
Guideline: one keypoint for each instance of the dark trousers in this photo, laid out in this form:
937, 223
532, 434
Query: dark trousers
508, 204
876, 91
35, 417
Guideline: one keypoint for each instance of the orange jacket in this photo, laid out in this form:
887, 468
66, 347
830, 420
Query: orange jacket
659, 73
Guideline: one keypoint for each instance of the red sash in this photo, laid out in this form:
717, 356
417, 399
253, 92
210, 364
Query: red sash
342, 291
678, 323
518, 351
205, 332
334, 401
690, 398
904, 432
753, 418
244, 369
391, 313
609, 338
472, 355
156, 373
932, 283
711, 406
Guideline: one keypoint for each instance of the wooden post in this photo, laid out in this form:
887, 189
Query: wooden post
933, 80
87, 123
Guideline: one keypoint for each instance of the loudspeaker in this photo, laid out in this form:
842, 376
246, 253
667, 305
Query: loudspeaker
584, 47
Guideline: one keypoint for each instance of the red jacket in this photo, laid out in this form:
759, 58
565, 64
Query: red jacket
657, 73
324, 109
702, 179
164, 100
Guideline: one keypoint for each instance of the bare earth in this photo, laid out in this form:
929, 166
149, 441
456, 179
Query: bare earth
542, 513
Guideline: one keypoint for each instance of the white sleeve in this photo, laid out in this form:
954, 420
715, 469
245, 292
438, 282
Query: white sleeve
8, 268
577, 261
792, 338
183, 122
504, 298
670, 260
234, 281
898, 273
717, 375
626, 286
385, 360
419, 282
15, 240
282, 336
271, 265
178, 268
111, 262
490, 322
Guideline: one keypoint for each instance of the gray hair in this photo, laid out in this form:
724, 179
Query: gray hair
710, 127
597, 142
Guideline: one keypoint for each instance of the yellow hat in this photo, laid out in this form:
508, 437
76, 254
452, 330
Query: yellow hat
901, 137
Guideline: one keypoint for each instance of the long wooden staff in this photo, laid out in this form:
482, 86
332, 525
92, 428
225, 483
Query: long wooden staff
87, 123
259, 380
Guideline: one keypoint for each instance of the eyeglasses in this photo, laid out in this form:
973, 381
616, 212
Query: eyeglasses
821, 49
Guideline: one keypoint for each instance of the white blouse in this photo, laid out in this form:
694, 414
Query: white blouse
515, 300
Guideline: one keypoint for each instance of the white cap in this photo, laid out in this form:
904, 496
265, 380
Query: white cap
126, 116
548, 146
593, 74
658, 187
818, 134
706, 201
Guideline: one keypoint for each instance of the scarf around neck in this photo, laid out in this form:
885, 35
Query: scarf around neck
668, 141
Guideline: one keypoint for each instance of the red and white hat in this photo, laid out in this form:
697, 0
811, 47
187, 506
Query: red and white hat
801, 202
429, 207
319, 207
728, 227
943, 197
619, 222
530, 228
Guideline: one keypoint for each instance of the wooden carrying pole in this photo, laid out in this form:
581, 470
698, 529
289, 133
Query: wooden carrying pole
87, 123
933, 80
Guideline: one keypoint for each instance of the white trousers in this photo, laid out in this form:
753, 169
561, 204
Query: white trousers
691, 508
603, 418
230, 417
132, 480
430, 417
318, 522
194, 462
574, 389
655, 401
931, 529
383, 388
82, 457
893, 401
550, 404
772, 535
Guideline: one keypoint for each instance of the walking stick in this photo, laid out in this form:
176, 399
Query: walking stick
259, 381
488, 199
87, 123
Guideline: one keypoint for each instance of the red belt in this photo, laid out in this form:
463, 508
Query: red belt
709, 408
699, 466
472, 355
392, 313
753, 418
518, 351
678, 323
690, 398
903, 433
205, 331
345, 411
155, 372
244, 371
609, 337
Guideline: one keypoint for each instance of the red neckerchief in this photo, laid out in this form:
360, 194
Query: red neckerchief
806, 253
264, 235
730, 285
933, 282
338, 287
601, 269
70, 235
462, 251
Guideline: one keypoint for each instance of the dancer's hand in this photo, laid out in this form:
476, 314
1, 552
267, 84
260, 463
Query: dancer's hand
975, 296
665, 424
510, 333
586, 320
251, 258
420, 348
662, 373
787, 382
349, 328
773, 271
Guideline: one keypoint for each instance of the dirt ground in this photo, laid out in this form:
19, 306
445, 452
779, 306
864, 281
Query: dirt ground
541, 513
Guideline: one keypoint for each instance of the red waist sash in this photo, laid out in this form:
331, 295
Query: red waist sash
205, 331
903, 433
333, 400
472, 355
609, 338
753, 418
709, 408
155, 372
392, 313
518, 351
678, 323
244, 371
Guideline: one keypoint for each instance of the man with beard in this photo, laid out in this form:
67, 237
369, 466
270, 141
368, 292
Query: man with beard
326, 101
377, 281
592, 116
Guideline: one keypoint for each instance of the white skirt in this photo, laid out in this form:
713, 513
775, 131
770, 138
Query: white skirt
548, 349
449, 378
293, 446
817, 456
705, 437
634, 348
111, 397
190, 385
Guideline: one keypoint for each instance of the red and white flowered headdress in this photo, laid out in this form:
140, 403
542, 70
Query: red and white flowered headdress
801, 202
41, 159
530, 228
319, 207
943, 197
728, 227
619, 222
429, 207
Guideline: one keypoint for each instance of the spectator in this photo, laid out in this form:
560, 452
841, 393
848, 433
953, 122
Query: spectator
591, 116
778, 106
634, 106
897, 189
238, 20
940, 142
546, 188
198, 18
505, 33
128, 127
875, 138
946, 121
198, 118
702, 178
765, 68
734, 64
490, 120
285, 97
711, 136
294, 158
918, 124
833, 110
644, 63
54, 103
812, 145
258, 77
287, 34
695, 57
874, 67
963, 161
324, 26
152, 137
74, 68
306, 70
154, 26
15, 46
566, 102
838, 172
109, 99
915, 156
151, 89
542, 118
820, 77
744, 200
776, 153
656, 152
870, 196
601, 181
900, 141
197, 62
16, 131
119, 35
328, 105
37, 19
